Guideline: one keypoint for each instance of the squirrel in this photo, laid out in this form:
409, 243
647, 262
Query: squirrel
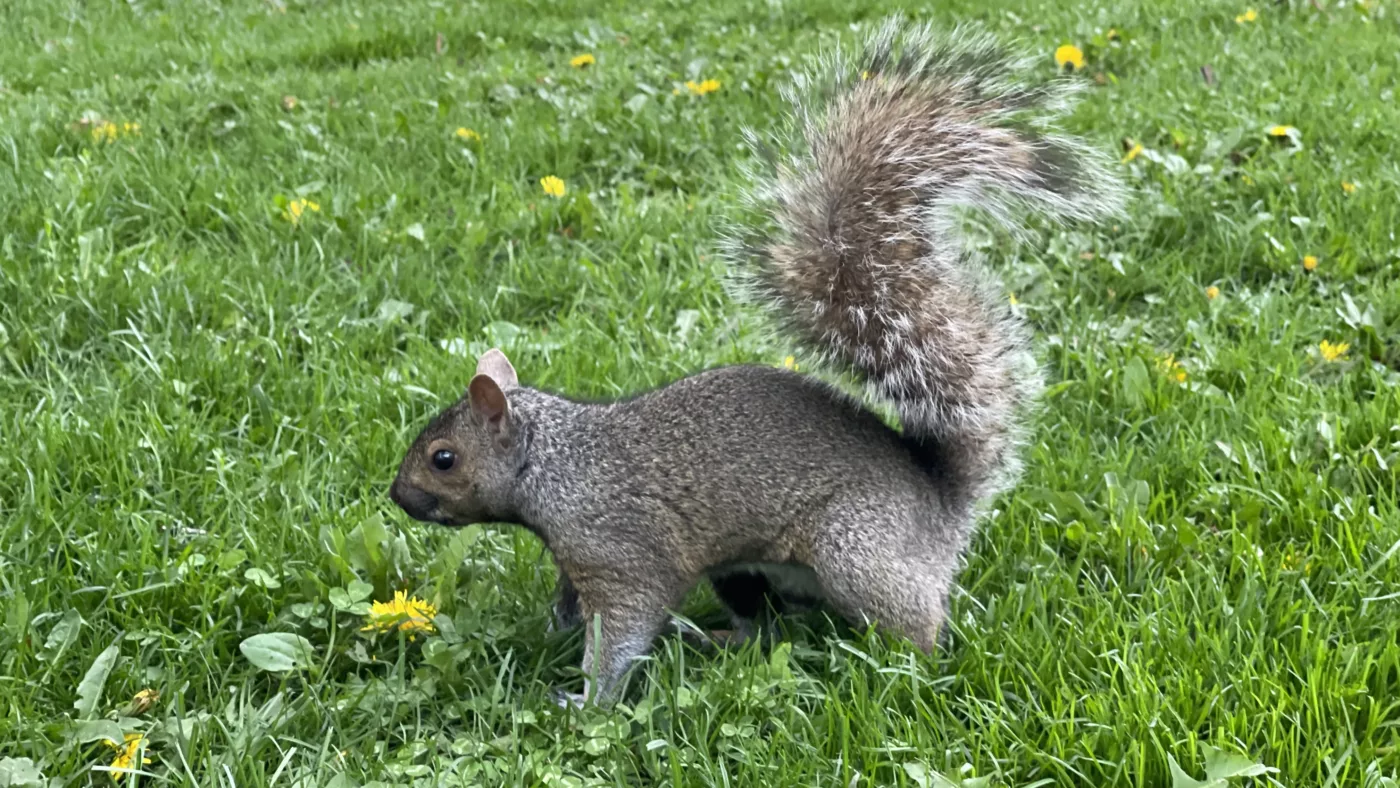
775, 485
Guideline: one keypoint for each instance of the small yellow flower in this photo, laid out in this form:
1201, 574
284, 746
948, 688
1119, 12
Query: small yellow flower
131, 128
104, 131
701, 88
1348, 187
1071, 55
1309, 263
297, 208
1013, 299
1132, 153
411, 615
791, 363
864, 75
1331, 352
126, 754
553, 186
465, 133
583, 61
1281, 131
1249, 15
1212, 292
1169, 366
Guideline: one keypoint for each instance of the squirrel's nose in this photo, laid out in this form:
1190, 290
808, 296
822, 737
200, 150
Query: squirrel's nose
415, 502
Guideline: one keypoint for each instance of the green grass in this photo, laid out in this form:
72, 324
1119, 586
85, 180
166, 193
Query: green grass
202, 405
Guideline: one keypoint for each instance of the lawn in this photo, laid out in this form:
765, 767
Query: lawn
247, 248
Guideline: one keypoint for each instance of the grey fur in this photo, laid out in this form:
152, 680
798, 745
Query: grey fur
749, 471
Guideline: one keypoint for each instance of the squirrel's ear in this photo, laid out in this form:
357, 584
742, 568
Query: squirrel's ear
490, 408
495, 364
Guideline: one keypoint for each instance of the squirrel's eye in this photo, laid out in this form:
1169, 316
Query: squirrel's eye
444, 460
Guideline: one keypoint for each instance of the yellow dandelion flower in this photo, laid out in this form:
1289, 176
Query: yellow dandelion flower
583, 61
1309, 263
1332, 352
1070, 55
1348, 187
131, 128
1212, 292
701, 88
104, 131
791, 363
553, 186
1281, 131
298, 208
465, 133
411, 615
1132, 153
1249, 15
1169, 366
127, 754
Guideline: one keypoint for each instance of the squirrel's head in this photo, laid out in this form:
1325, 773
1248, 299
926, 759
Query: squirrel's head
462, 467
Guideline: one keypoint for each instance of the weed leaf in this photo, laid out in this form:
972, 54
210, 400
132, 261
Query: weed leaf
19, 773
90, 688
278, 652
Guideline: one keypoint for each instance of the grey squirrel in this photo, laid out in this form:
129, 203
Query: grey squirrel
773, 484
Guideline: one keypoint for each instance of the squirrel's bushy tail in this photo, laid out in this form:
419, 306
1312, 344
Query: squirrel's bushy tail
860, 255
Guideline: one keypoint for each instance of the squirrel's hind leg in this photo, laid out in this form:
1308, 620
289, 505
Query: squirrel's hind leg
881, 561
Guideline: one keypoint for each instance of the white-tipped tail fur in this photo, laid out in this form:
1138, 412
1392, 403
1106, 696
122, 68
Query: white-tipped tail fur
859, 254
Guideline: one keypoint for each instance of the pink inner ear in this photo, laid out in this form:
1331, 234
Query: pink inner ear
488, 401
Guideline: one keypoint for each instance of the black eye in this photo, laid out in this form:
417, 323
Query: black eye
443, 460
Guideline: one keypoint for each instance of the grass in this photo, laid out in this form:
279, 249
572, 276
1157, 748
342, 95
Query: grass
203, 402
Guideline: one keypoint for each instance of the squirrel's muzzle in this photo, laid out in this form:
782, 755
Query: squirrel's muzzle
418, 504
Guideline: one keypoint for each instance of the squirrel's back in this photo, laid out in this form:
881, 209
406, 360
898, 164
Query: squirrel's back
732, 423
739, 453
857, 254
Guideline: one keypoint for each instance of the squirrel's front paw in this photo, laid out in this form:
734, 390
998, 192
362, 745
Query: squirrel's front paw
565, 700
714, 639
565, 612
562, 621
